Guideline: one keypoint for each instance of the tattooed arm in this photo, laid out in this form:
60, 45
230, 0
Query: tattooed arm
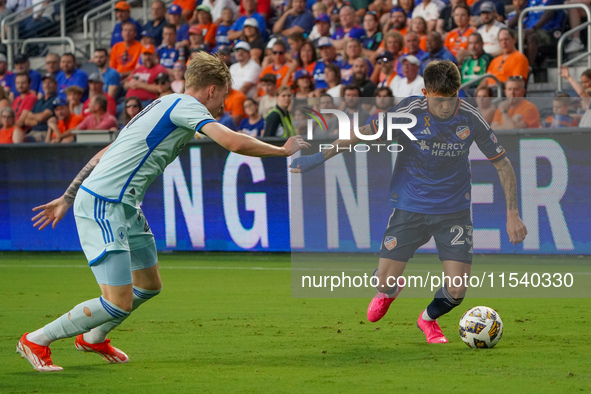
54, 211
515, 227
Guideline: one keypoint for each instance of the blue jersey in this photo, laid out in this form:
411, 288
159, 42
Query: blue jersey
432, 175
168, 55
221, 37
254, 130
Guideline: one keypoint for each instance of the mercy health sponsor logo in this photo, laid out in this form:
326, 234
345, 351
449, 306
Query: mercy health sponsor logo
345, 127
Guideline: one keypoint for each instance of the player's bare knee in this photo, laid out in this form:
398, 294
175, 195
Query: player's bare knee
457, 293
124, 302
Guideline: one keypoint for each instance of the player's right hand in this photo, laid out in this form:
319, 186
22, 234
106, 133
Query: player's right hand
295, 144
306, 163
52, 212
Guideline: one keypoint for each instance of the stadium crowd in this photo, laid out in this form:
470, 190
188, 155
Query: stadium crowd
330, 52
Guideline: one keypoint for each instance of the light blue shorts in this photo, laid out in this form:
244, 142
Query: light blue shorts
115, 238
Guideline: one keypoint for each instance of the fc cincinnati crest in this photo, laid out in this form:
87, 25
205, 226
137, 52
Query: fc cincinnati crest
463, 132
390, 242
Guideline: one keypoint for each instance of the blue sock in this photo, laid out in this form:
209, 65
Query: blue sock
442, 303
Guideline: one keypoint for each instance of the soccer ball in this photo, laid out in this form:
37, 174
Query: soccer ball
481, 327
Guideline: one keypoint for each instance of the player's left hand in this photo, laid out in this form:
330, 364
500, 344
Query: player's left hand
516, 229
295, 144
52, 212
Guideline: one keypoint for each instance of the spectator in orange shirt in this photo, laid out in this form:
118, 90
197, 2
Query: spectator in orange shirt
396, 22
233, 106
59, 126
206, 24
511, 62
188, 6
279, 67
10, 133
457, 39
125, 55
516, 112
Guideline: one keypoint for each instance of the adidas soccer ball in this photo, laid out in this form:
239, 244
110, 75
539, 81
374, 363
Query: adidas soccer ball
481, 327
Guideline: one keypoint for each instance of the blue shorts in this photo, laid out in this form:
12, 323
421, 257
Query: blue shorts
408, 231
115, 238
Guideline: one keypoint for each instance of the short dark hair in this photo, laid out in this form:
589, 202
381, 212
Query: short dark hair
462, 5
587, 73
477, 35
352, 87
104, 50
384, 89
102, 101
280, 42
23, 75
169, 26
271, 78
69, 54
442, 77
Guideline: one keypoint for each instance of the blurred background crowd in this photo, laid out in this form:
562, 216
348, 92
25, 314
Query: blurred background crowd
329, 53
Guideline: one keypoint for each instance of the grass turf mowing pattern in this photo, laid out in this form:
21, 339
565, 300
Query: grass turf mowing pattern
224, 330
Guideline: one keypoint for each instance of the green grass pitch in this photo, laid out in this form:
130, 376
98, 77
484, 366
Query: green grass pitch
227, 323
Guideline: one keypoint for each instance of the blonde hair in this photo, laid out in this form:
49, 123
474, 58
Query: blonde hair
282, 89
205, 70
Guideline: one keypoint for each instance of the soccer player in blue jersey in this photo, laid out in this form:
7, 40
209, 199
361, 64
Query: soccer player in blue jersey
106, 195
430, 191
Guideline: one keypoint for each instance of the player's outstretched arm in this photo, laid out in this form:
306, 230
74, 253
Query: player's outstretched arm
515, 227
307, 163
250, 146
54, 211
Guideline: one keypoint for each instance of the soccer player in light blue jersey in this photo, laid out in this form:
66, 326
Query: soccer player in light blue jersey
113, 231
430, 191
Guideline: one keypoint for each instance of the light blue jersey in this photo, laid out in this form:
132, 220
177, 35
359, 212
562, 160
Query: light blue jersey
149, 142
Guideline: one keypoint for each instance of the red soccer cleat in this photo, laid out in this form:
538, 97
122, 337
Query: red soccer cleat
431, 330
39, 356
109, 353
379, 305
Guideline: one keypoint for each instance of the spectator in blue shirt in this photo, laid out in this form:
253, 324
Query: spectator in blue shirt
295, 20
435, 51
174, 17
111, 78
22, 66
122, 12
154, 27
167, 52
539, 27
254, 123
250, 7
42, 110
70, 75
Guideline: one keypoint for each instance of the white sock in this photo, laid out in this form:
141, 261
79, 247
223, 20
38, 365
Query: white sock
38, 337
99, 334
426, 316
576, 39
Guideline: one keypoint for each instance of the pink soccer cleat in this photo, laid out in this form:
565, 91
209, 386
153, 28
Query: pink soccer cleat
39, 356
379, 305
109, 353
431, 330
